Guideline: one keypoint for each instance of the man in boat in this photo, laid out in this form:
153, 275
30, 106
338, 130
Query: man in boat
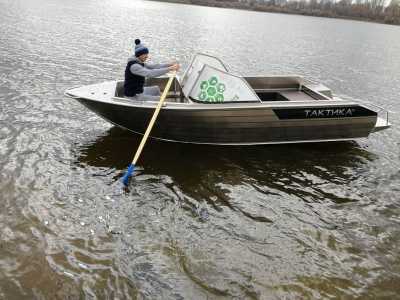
137, 70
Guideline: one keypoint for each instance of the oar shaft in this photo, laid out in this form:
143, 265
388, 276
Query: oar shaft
153, 119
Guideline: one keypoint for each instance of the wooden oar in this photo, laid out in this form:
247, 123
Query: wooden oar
131, 167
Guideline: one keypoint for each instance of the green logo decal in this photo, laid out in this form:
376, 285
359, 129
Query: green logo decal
212, 90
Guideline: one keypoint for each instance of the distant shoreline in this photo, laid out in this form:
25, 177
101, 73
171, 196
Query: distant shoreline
306, 10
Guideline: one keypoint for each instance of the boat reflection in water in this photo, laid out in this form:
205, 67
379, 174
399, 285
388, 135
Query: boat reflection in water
192, 167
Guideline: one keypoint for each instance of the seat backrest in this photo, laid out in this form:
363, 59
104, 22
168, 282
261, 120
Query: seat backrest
119, 89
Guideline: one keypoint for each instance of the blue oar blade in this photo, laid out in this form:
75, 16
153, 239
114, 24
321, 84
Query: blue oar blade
128, 174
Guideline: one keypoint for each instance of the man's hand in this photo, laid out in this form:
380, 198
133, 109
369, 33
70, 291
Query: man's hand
174, 67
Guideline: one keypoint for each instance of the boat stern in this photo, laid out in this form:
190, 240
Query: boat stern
381, 124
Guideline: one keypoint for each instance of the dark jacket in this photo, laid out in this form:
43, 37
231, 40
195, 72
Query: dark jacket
133, 83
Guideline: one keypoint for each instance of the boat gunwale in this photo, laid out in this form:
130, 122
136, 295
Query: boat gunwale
220, 106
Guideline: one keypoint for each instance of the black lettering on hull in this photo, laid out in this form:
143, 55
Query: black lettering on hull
323, 112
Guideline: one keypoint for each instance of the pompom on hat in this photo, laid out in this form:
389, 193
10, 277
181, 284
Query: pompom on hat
140, 49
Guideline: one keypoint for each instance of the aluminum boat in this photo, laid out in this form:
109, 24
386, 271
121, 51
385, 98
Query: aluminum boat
211, 105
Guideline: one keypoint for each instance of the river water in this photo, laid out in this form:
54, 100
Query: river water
197, 222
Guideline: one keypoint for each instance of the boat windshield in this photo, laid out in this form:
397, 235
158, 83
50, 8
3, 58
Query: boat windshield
197, 63
210, 82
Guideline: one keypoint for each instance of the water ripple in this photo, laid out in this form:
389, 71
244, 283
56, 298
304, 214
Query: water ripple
197, 222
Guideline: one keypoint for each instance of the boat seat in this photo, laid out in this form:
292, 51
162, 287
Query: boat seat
296, 96
171, 97
283, 95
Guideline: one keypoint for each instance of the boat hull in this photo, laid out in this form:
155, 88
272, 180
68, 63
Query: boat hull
245, 125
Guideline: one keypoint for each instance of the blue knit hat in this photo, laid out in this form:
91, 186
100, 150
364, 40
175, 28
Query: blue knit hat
140, 49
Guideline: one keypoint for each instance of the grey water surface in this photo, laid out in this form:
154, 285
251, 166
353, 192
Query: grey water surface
309, 221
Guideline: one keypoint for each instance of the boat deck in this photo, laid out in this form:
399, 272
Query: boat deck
290, 93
